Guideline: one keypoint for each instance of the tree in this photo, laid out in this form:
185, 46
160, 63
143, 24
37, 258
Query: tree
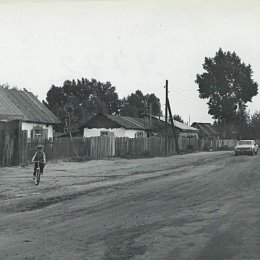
75, 101
255, 125
137, 104
178, 118
228, 85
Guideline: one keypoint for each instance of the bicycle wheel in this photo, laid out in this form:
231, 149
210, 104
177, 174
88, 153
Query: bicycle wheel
37, 176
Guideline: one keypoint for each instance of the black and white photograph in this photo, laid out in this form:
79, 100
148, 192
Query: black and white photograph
129, 130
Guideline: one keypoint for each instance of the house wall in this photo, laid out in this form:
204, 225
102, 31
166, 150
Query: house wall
118, 132
29, 126
188, 139
188, 134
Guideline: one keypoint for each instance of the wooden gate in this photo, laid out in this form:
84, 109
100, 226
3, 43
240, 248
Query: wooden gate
10, 143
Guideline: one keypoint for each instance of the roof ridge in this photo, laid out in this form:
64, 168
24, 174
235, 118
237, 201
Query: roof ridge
30, 107
39, 104
132, 120
9, 105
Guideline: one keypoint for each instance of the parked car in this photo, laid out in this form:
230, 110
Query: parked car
246, 147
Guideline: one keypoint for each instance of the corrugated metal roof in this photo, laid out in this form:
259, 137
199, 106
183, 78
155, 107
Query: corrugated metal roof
30, 107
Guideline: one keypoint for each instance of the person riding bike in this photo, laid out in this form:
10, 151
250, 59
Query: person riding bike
39, 157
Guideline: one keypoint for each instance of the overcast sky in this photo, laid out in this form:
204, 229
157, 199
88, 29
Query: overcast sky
132, 44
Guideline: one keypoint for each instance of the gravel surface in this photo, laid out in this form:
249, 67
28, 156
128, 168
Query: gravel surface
193, 206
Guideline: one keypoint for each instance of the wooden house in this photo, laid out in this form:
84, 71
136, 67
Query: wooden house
36, 119
146, 126
187, 135
118, 126
208, 135
157, 127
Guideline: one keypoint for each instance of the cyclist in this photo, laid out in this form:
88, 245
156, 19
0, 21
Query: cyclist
40, 157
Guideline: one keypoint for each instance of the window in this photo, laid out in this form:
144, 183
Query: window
245, 142
104, 133
139, 134
38, 130
38, 133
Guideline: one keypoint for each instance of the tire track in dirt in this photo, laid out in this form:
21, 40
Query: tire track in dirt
41, 203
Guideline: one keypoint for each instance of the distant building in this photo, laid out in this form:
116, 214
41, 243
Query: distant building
146, 126
36, 119
187, 136
206, 130
117, 126
208, 136
157, 125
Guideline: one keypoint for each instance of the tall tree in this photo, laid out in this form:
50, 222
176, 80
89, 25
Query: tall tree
227, 84
77, 100
137, 104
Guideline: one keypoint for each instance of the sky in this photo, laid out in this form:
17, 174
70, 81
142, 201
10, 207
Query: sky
132, 44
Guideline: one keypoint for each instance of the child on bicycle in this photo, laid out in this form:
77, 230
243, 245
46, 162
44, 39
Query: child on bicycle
39, 157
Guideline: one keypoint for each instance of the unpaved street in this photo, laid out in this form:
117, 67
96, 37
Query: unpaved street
194, 206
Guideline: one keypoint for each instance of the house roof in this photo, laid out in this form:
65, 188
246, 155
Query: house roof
126, 122
25, 106
129, 122
179, 125
8, 111
206, 129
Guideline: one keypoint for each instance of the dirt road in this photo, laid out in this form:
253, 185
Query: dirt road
195, 206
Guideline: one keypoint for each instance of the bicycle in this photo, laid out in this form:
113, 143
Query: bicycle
37, 176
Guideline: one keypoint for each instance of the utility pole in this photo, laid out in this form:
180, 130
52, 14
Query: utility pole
166, 98
166, 117
150, 115
168, 107
173, 127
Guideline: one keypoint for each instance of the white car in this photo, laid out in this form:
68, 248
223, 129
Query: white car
246, 147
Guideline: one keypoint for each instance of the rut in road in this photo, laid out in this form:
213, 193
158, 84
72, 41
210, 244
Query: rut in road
118, 182
187, 207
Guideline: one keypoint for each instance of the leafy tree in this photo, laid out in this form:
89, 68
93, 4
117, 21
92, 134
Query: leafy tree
137, 104
255, 125
178, 118
238, 128
75, 101
152, 101
228, 85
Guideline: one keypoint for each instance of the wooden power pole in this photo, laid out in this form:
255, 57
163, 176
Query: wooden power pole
168, 107
166, 117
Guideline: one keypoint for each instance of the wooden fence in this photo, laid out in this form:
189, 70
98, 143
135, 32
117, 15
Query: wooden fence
143, 147
98, 148
216, 144
16, 149
188, 144
77, 147
9, 143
